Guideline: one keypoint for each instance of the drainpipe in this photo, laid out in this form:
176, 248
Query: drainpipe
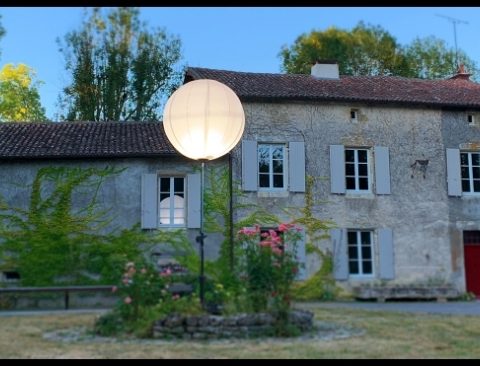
230, 184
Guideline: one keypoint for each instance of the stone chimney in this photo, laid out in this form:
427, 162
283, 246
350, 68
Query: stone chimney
325, 69
461, 73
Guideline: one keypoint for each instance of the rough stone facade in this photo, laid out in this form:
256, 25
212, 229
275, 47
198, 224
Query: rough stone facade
424, 220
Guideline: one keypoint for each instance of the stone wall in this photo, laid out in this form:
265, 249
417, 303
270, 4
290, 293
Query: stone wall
215, 326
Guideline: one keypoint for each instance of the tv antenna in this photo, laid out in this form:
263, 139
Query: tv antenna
454, 22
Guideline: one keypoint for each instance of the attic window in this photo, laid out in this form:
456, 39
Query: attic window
354, 115
470, 119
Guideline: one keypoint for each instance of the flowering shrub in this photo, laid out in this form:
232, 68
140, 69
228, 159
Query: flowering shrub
144, 296
268, 266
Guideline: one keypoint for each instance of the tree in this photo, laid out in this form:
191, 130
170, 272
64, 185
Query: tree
120, 69
366, 50
19, 97
371, 50
429, 58
2, 30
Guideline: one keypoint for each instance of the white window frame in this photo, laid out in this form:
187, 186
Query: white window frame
360, 259
354, 115
470, 173
171, 198
270, 167
356, 163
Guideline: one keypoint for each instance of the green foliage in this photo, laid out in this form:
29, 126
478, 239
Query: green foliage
371, 50
121, 70
19, 97
144, 297
54, 241
2, 31
321, 286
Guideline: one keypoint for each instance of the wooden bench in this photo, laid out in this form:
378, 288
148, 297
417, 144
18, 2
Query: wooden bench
65, 289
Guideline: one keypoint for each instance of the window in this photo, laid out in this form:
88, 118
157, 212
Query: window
471, 119
360, 254
172, 201
470, 168
357, 177
271, 166
353, 115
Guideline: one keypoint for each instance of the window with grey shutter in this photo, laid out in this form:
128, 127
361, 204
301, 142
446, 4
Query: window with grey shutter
337, 168
382, 170
149, 207
194, 201
453, 172
249, 165
301, 257
340, 255
386, 254
296, 165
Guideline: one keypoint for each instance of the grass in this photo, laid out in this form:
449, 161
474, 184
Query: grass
385, 335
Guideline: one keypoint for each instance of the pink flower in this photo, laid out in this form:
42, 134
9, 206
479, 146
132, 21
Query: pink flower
166, 272
176, 297
114, 289
283, 227
143, 270
125, 281
127, 300
248, 231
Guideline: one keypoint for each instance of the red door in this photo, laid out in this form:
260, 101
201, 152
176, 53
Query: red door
471, 241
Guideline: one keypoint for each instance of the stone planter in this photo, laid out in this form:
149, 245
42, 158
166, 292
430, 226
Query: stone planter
440, 293
236, 326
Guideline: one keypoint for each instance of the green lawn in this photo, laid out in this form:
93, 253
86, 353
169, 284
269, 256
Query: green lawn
385, 335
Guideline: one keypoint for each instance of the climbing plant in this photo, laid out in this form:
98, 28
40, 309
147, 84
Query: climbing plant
63, 236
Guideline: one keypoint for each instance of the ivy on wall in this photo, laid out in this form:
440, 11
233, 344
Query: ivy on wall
63, 237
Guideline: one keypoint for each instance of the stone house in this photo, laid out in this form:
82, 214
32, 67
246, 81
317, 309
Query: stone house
396, 162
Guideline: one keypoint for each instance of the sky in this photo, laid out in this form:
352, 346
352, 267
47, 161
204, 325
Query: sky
230, 38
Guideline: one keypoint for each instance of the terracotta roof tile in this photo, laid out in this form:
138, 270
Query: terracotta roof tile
455, 92
83, 140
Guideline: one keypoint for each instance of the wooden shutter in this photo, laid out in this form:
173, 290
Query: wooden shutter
296, 166
149, 214
386, 256
454, 181
249, 165
194, 197
301, 257
340, 255
382, 170
337, 168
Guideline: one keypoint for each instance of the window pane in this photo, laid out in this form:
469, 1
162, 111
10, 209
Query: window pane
476, 172
366, 252
476, 185
352, 237
465, 172
178, 202
465, 185
353, 267
164, 195
475, 159
363, 182
367, 267
264, 180
349, 169
349, 155
352, 252
277, 153
263, 166
278, 166
164, 184
362, 156
362, 170
178, 185
365, 235
464, 158
278, 181
350, 183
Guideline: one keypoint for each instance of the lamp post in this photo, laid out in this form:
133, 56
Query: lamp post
204, 120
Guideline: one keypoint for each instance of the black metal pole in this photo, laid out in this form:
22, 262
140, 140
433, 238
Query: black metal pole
200, 240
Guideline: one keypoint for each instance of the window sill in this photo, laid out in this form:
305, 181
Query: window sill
273, 194
364, 195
